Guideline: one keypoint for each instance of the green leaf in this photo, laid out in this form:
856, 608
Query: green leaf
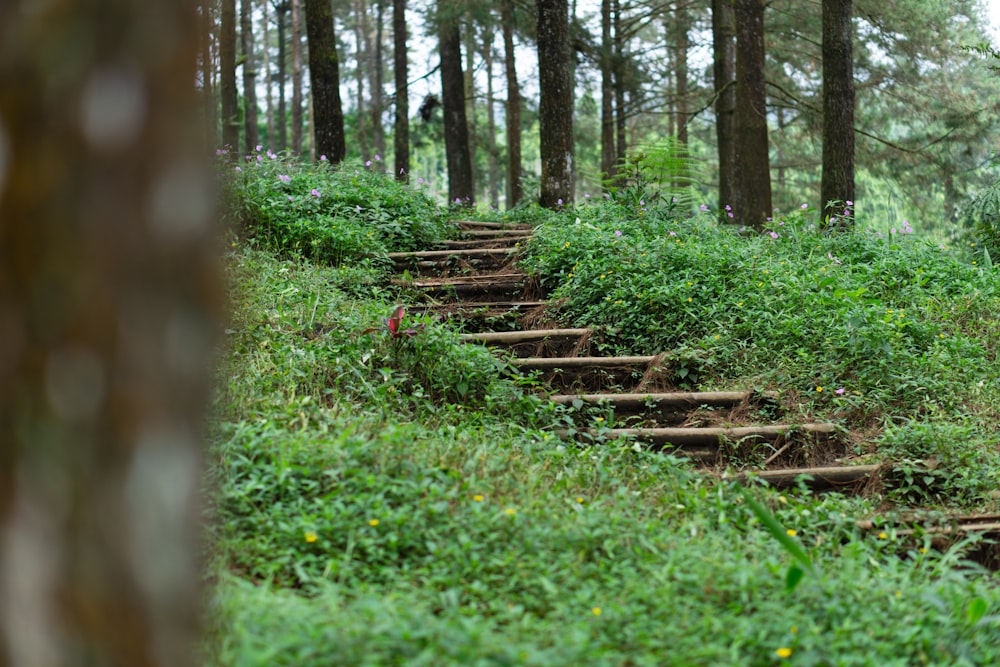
987, 260
976, 610
778, 531
793, 577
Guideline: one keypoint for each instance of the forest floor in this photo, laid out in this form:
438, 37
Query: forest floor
388, 490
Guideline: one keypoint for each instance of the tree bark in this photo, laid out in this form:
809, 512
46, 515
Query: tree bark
109, 313
724, 68
514, 191
618, 64
492, 159
401, 132
378, 103
251, 136
269, 75
608, 154
752, 161
456, 129
837, 183
296, 12
470, 95
227, 77
280, 12
324, 80
361, 41
207, 63
555, 109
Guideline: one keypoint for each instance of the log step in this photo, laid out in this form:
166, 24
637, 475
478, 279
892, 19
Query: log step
485, 286
496, 234
704, 438
482, 224
673, 401
817, 479
471, 253
581, 363
484, 244
530, 336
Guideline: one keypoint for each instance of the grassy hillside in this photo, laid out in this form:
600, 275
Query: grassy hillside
401, 501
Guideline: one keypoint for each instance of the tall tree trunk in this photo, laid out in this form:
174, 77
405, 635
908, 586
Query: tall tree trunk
682, 25
281, 13
838, 110
621, 142
608, 154
401, 131
296, 11
324, 81
110, 300
513, 115
250, 132
491, 125
724, 52
227, 77
752, 161
456, 130
378, 102
470, 95
207, 63
361, 41
269, 75
555, 108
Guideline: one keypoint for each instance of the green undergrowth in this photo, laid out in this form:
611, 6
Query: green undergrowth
332, 214
385, 495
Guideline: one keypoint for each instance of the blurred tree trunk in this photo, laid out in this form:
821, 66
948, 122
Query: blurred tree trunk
682, 24
250, 132
456, 129
109, 313
378, 101
268, 74
514, 192
753, 172
608, 154
281, 12
401, 131
295, 8
227, 77
838, 111
324, 80
470, 96
724, 46
555, 108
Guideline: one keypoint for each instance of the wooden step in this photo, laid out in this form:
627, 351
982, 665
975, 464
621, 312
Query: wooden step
497, 234
817, 479
485, 287
529, 336
471, 253
582, 363
709, 437
473, 244
482, 224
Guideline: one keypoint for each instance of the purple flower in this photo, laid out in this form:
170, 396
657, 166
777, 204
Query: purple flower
322, 158
284, 178
833, 259
559, 202
271, 155
892, 231
368, 163
674, 200
730, 214
420, 181
586, 195
258, 148
357, 208
673, 233
219, 151
840, 392
850, 203
378, 158
773, 235
458, 200
804, 206
728, 207
260, 158
238, 168
641, 202
770, 219
704, 208
618, 232
781, 224
290, 198
314, 192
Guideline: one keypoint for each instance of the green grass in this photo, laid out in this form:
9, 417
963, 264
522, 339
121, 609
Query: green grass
387, 500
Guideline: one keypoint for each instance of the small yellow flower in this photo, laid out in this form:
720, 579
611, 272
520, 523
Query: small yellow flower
373, 523
510, 511
598, 419
882, 536
478, 498
311, 536
579, 499
819, 389
689, 299
922, 550
596, 611
784, 652
791, 532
